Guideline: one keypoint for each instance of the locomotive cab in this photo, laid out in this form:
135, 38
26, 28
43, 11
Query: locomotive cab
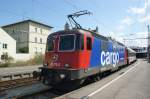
66, 51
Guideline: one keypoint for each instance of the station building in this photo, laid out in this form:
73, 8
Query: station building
141, 52
30, 36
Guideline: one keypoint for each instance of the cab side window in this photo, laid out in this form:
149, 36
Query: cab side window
78, 42
82, 42
89, 43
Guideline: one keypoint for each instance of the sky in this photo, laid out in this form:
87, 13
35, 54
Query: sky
123, 20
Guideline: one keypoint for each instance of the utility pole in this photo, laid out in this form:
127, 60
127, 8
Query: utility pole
148, 47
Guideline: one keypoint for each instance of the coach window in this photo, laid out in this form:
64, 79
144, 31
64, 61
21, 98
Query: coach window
89, 43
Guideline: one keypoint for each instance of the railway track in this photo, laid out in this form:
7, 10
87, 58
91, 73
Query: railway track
48, 94
6, 85
53, 93
31, 89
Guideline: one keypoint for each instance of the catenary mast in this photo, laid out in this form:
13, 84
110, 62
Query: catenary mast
148, 47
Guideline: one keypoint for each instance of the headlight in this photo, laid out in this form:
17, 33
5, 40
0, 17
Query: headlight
62, 76
66, 65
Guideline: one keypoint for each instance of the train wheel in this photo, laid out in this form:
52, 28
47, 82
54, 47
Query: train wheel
97, 77
106, 73
45, 81
127, 61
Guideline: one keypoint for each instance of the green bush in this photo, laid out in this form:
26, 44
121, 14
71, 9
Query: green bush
24, 50
7, 61
36, 60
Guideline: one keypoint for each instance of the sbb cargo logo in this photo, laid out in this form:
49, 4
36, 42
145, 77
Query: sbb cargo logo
109, 58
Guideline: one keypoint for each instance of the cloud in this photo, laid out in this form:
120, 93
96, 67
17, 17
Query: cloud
127, 21
140, 10
144, 19
120, 27
141, 14
136, 10
137, 16
115, 35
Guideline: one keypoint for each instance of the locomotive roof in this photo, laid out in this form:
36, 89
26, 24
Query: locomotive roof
80, 31
85, 32
73, 31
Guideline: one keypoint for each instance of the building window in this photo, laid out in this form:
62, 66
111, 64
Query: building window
41, 30
41, 50
13, 31
40, 40
35, 50
35, 29
35, 39
4, 46
4, 56
18, 39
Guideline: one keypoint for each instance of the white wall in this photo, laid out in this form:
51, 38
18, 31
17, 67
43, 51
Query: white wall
23, 57
11, 44
41, 33
36, 48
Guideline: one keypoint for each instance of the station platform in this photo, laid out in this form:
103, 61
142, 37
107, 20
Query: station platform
132, 82
11, 70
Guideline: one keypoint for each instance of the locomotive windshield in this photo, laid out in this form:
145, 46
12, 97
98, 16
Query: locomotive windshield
67, 42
